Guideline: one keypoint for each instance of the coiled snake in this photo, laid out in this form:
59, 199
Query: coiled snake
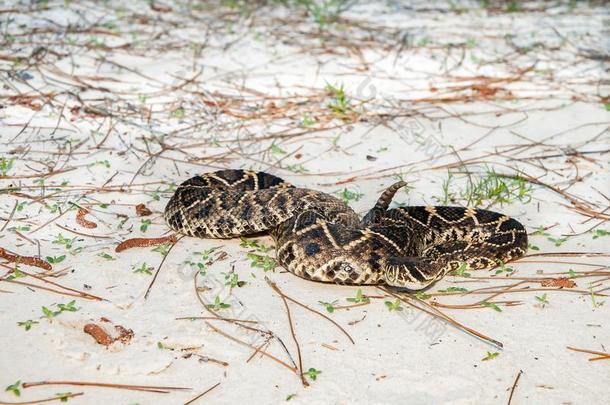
319, 237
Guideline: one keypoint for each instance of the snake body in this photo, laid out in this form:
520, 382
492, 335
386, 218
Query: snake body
319, 237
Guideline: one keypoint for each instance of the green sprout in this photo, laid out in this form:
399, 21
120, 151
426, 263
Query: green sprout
393, 306
218, 305
312, 373
330, 306
490, 356
144, 269
359, 299
14, 388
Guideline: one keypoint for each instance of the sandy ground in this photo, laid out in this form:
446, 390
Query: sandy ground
107, 106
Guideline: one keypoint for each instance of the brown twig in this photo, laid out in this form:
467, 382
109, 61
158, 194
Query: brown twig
62, 397
512, 390
202, 394
292, 332
148, 388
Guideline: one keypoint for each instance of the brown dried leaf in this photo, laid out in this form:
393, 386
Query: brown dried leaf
562, 282
142, 210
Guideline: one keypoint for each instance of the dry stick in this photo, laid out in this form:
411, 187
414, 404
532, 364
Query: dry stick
269, 334
438, 314
202, 394
161, 264
10, 217
294, 337
214, 318
315, 312
602, 355
42, 288
80, 293
83, 234
512, 390
62, 398
148, 388
264, 353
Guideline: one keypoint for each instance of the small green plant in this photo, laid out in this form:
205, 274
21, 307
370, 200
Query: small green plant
454, 289
492, 306
340, 104
179, 113
598, 233
266, 263
571, 273
143, 269
497, 189
218, 305
513, 6
329, 306
393, 306
144, 225
15, 273
63, 396
232, 280
290, 397
163, 249
296, 168
307, 121
312, 373
66, 242
55, 259
27, 325
596, 304
556, 241
6, 165
252, 243
325, 12
504, 269
105, 255
420, 295
14, 388
461, 271
447, 197
359, 298
277, 150
348, 195
69, 307
490, 356
543, 299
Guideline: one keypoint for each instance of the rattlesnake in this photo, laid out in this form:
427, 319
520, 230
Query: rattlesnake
319, 237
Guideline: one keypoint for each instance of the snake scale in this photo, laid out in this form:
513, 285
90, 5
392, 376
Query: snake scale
319, 237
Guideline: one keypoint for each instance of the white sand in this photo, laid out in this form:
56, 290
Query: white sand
398, 356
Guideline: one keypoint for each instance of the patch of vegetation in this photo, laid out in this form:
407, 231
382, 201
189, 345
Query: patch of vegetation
143, 269
69, 307
340, 103
312, 373
360, 298
497, 189
329, 306
266, 263
555, 240
218, 305
490, 356
347, 195
393, 305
